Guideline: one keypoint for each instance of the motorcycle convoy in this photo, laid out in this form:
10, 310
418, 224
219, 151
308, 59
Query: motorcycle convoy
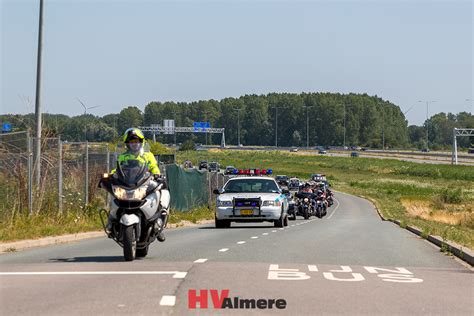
311, 198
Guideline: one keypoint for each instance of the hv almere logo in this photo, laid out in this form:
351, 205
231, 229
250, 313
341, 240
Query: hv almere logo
220, 299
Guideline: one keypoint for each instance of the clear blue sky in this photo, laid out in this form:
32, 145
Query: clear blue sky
117, 53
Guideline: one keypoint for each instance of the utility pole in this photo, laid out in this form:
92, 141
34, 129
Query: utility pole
238, 126
427, 113
307, 126
38, 97
276, 126
344, 140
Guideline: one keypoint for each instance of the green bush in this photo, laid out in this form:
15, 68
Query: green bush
451, 196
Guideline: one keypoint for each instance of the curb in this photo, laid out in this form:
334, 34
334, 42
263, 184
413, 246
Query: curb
63, 239
459, 251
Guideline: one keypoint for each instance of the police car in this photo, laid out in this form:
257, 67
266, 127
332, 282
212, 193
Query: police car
253, 196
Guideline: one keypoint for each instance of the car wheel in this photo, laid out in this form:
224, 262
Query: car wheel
222, 223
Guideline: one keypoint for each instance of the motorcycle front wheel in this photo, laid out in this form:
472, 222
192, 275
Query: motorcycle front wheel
129, 243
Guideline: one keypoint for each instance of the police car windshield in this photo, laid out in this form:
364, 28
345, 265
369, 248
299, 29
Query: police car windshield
251, 186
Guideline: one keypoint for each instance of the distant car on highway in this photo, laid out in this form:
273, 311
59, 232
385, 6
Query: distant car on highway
214, 167
251, 199
203, 164
354, 154
425, 150
294, 150
470, 151
322, 151
230, 170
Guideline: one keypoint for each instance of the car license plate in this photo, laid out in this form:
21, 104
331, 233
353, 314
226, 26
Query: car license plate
246, 212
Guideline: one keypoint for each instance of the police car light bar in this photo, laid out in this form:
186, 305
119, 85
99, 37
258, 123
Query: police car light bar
253, 172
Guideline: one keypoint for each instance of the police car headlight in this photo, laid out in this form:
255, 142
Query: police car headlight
306, 200
224, 203
271, 203
137, 194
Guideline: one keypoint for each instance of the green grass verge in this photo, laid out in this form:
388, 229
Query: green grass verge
446, 192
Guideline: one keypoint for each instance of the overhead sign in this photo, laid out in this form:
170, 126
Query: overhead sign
169, 126
6, 127
201, 126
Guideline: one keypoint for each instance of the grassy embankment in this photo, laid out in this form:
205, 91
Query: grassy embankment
439, 199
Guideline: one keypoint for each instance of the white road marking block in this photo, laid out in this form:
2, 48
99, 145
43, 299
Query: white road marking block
168, 300
265, 234
344, 269
274, 231
202, 260
293, 225
400, 275
223, 249
254, 237
275, 273
312, 268
176, 274
241, 242
355, 277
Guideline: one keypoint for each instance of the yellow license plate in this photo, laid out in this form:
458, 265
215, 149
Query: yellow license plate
246, 212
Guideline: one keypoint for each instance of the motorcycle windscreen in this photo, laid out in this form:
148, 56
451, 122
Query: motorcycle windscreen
131, 172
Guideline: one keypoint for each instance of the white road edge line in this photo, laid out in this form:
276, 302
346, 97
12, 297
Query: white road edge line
176, 274
240, 242
202, 260
223, 249
335, 208
168, 300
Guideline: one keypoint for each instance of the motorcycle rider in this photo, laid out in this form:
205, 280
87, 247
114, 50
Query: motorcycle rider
134, 141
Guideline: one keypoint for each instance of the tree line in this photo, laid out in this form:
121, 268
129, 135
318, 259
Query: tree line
314, 118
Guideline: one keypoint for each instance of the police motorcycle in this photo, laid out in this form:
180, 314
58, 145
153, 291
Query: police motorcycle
321, 207
138, 207
305, 205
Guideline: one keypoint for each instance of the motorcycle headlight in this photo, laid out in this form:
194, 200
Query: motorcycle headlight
137, 194
223, 203
306, 200
271, 203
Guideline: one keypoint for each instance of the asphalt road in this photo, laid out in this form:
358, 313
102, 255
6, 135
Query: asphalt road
350, 262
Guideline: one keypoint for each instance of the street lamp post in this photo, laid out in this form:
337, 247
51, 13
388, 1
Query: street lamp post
470, 100
307, 126
276, 126
38, 96
238, 126
427, 113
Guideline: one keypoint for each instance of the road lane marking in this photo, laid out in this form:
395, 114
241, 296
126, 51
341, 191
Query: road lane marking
254, 237
274, 231
168, 300
241, 242
202, 260
293, 225
176, 274
329, 217
281, 228
312, 268
265, 234
223, 249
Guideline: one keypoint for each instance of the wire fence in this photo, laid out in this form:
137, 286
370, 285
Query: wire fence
70, 172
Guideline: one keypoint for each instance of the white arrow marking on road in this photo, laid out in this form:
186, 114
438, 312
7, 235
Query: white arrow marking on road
241, 242
168, 300
202, 260
312, 268
176, 274
223, 249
